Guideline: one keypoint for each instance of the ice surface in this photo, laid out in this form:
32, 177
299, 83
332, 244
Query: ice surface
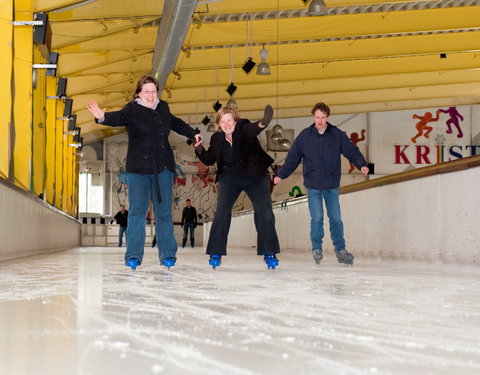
83, 312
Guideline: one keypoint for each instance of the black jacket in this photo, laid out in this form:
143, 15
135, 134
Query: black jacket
320, 154
148, 149
121, 218
189, 215
252, 157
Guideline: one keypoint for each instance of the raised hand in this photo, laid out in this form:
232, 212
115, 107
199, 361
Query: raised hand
267, 115
95, 110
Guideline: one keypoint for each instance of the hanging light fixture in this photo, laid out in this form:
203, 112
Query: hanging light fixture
249, 64
317, 8
278, 138
217, 105
206, 120
232, 103
263, 68
211, 128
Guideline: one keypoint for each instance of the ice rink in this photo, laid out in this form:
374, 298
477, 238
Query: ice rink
83, 312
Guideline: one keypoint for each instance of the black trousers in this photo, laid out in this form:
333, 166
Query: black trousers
229, 188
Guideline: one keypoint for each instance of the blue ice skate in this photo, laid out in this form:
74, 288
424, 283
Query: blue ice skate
271, 260
132, 263
168, 262
215, 260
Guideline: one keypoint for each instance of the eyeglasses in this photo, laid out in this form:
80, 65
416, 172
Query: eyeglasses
149, 92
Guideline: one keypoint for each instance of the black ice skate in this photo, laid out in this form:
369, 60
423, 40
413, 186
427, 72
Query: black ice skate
344, 257
317, 255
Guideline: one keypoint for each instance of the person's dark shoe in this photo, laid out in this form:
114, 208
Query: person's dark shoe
271, 260
267, 115
132, 263
168, 262
344, 257
317, 255
215, 260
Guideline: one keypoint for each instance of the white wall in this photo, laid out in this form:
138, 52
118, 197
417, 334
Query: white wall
29, 226
433, 219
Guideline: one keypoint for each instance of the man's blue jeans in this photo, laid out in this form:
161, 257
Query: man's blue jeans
141, 189
121, 231
332, 203
186, 228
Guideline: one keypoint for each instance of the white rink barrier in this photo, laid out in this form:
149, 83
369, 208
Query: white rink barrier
29, 226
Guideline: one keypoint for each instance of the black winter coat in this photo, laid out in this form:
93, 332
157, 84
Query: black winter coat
253, 158
149, 151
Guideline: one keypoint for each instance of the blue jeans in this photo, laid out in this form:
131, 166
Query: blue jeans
141, 189
332, 203
121, 231
229, 188
186, 228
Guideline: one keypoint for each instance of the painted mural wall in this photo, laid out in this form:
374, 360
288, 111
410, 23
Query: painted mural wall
391, 141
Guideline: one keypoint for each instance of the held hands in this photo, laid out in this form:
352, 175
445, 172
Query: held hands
198, 140
364, 170
95, 110
276, 180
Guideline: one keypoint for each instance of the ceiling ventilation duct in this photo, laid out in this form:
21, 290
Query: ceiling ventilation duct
176, 17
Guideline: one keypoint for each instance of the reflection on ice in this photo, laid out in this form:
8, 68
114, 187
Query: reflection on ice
84, 312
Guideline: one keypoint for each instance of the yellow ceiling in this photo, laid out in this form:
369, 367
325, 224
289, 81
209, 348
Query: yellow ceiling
366, 55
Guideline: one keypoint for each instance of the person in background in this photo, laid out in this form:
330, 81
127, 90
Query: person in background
189, 222
319, 148
241, 166
121, 218
150, 166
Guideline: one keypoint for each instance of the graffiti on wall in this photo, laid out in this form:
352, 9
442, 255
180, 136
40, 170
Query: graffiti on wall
356, 139
440, 151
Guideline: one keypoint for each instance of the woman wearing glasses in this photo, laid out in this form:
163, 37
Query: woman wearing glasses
241, 166
150, 166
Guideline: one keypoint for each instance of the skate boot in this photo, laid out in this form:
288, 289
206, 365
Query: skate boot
215, 260
344, 257
132, 263
168, 262
271, 260
317, 255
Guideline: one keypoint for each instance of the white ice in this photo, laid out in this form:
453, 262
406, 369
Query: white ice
83, 312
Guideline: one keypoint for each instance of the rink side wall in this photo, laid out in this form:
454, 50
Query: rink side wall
426, 215
29, 226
